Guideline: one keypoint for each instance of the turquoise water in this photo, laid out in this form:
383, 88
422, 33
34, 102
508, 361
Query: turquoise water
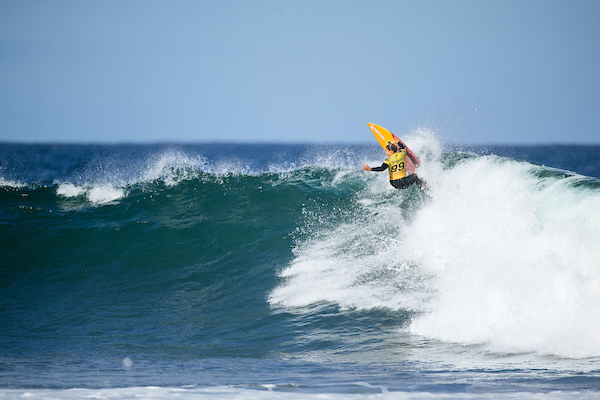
284, 271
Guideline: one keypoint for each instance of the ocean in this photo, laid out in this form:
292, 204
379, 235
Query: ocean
256, 271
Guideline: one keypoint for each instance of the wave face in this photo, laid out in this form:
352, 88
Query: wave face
176, 254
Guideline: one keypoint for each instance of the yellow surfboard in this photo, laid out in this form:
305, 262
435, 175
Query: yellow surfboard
384, 137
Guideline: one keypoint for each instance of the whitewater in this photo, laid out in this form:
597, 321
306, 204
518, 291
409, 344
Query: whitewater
285, 271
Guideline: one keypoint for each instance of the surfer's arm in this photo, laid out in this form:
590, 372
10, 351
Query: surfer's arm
383, 167
400, 145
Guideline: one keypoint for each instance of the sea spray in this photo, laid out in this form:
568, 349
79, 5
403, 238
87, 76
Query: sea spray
172, 167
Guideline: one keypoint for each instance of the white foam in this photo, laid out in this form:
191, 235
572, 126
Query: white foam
12, 184
69, 190
349, 266
104, 194
267, 392
100, 194
516, 260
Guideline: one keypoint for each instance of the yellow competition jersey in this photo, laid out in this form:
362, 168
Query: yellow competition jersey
396, 165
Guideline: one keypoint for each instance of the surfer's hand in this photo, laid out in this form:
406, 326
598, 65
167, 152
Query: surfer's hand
365, 167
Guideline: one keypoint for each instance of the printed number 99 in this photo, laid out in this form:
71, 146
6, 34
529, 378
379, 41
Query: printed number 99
398, 167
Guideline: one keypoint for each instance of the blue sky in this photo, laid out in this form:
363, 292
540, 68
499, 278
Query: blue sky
502, 72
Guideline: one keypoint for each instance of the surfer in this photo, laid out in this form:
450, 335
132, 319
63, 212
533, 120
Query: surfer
395, 162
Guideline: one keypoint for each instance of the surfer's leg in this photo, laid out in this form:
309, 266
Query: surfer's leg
397, 184
407, 181
420, 182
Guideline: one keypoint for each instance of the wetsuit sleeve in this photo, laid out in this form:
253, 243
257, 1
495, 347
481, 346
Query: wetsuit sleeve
383, 167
